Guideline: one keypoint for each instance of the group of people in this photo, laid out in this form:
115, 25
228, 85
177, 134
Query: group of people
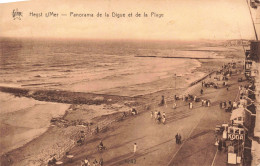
225, 104
178, 138
206, 103
208, 84
190, 98
86, 162
158, 116
221, 144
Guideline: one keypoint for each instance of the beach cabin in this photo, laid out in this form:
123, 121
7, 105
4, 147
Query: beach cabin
238, 116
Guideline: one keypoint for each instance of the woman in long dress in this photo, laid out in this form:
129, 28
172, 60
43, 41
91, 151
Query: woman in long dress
135, 148
190, 105
155, 115
163, 118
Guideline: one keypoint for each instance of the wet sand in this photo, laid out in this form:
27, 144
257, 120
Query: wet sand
24, 119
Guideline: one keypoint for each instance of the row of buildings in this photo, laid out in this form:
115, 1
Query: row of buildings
250, 113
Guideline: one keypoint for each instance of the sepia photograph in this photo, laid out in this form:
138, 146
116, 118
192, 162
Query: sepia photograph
129, 83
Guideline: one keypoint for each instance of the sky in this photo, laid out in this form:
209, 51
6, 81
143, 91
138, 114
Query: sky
182, 19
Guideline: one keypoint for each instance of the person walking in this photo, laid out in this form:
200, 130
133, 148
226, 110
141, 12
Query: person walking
208, 103
220, 145
176, 138
179, 139
135, 147
162, 101
190, 105
163, 118
225, 146
155, 114
101, 162
205, 102
163, 115
151, 114
217, 141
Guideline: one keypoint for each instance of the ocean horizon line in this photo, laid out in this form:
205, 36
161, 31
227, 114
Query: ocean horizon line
120, 39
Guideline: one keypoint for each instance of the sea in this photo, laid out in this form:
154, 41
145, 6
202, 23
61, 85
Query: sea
92, 65
118, 67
